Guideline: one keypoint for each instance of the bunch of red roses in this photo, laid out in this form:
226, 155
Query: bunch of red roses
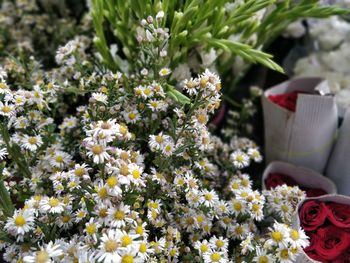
277, 179
328, 226
287, 100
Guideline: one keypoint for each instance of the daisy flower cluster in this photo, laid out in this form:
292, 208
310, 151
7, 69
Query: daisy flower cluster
102, 166
283, 201
30, 27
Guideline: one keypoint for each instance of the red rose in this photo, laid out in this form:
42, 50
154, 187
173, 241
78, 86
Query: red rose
275, 179
343, 258
315, 192
312, 214
332, 242
287, 100
339, 214
313, 254
313, 241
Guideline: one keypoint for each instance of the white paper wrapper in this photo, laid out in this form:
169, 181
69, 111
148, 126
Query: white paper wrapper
338, 168
341, 199
303, 176
304, 137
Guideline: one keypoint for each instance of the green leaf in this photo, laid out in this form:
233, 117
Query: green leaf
177, 95
5, 200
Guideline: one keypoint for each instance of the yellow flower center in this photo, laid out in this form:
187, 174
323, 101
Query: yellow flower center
79, 171
102, 193
219, 243
91, 229
203, 83
59, 159
215, 257
111, 246
20, 220
204, 248
123, 130
132, 116
143, 248
153, 205
97, 149
239, 158
255, 207
32, 140
285, 208
173, 252
126, 240
237, 206
103, 213
294, 234
6, 109
202, 118
53, 202
239, 230
235, 185
263, 259
136, 174
208, 197
119, 215
284, 254
127, 259
277, 236
159, 139
112, 181
167, 148
66, 219
139, 230
41, 257
124, 170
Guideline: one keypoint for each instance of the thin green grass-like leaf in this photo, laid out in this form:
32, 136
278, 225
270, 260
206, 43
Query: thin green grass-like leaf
245, 51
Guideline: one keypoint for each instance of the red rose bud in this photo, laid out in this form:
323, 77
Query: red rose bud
332, 242
277, 179
312, 215
339, 214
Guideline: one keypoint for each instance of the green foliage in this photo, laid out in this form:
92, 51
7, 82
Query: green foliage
232, 28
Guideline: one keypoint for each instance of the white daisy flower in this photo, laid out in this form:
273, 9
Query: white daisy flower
209, 198
164, 72
97, 152
214, 256
239, 159
31, 143
262, 256
21, 222
46, 254
108, 250
119, 215
298, 238
6, 109
131, 115
51, 205
255, 154
100, 97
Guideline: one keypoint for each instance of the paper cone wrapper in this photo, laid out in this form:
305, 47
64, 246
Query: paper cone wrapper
304, 137
341, 199
303, 176
338, 168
